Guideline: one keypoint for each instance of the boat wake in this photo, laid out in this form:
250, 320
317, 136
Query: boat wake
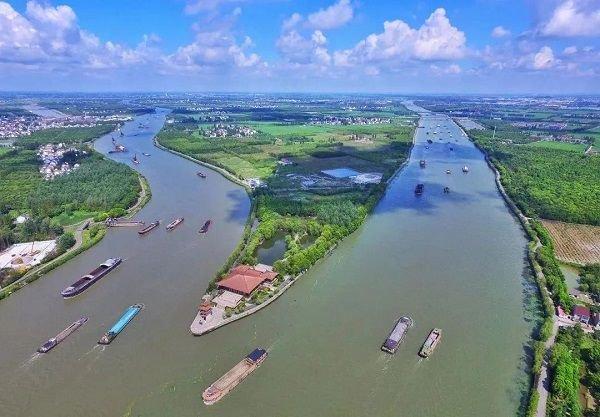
30, 361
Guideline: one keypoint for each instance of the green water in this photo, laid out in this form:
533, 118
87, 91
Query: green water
451, 261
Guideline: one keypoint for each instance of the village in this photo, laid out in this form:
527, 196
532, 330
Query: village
53, 163
220, 130
349, 120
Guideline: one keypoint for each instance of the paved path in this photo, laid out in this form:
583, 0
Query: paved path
543, 385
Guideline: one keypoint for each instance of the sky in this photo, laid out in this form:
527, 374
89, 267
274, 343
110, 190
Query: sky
367, 46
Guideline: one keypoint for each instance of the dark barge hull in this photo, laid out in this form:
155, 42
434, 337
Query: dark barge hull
90, 279
206, 226
149, 228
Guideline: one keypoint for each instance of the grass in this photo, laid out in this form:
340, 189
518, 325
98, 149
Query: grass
74, 217
575, 147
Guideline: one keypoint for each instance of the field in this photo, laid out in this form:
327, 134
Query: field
575, 243
563, 146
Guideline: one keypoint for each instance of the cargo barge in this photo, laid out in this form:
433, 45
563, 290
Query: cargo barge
201, 174
431, 343
174, 223
149, 228
53, 342
205, 227
419, 189
118, 327
234, 376
422, 163
88, 280
397, 334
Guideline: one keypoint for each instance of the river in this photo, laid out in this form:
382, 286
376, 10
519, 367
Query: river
454, 261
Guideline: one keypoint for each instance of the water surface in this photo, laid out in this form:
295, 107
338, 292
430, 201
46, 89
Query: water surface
454, 261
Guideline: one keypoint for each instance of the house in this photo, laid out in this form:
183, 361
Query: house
244, 279
582, 314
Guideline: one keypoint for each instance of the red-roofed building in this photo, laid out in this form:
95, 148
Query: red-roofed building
582, 314
243, 279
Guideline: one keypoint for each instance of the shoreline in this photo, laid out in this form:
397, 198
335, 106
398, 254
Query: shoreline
195, 322
534, 406
80, 246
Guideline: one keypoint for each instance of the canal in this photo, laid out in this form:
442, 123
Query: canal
454, 261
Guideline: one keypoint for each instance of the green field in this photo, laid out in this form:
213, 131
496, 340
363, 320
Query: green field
574, 147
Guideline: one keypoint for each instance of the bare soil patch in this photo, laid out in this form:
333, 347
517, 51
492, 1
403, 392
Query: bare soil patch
575, 243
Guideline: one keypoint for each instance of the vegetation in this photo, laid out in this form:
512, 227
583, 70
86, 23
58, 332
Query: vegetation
64, 134
589, 280
325, 213
548, 182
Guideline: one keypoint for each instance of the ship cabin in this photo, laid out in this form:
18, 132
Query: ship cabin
255, 355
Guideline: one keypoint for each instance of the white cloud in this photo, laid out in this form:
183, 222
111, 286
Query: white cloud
435, 40
291, 22
297, 49
332, 17
51, 36
451, 69
197, 6
544, 58
573, 18
570, 50
500, 32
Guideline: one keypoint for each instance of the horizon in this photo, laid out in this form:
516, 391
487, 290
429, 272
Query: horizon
321, 46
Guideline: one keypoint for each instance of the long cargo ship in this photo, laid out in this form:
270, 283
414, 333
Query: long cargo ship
234, 376
118, 327
174, 223
53, 342
88, 280
397, 334
150, 227
431, 343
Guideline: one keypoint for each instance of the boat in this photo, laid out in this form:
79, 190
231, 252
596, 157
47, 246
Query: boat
123, 321
446, 190
234, 376
201, 174
88, 280
53, 342
174, 223
135, 160
431, 343
145, 154
419, 189
205, 227
448, 171
465, 169
150, 227
422, 163
397, 334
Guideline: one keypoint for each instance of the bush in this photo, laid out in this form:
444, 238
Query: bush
65, 241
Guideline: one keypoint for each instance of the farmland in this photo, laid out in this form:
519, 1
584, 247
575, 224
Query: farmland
575, 243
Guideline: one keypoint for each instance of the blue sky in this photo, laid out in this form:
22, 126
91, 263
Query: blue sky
458, 46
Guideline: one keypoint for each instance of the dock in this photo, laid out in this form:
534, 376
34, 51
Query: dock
110, 222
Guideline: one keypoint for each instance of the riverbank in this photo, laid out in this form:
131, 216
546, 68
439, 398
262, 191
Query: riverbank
539, 391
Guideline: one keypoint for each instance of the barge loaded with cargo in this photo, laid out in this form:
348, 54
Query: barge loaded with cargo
174, 223
149, 228
53, 342
118, 327
397, 335
88, 280
431, 343
234, 376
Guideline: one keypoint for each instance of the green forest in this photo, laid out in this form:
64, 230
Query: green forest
575, 358
64, 134
98, 185
545, 182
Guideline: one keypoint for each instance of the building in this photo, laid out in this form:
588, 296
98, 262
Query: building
244, 279
582, 314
